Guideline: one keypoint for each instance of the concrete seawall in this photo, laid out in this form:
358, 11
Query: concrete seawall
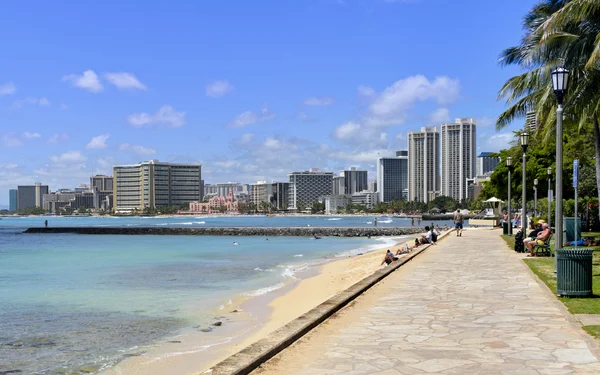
245, 231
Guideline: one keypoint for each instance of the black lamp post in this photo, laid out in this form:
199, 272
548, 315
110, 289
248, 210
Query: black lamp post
560, 81
535, 183
509, 165
524, 144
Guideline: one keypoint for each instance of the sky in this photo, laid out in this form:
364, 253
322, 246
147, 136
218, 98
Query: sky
253, 90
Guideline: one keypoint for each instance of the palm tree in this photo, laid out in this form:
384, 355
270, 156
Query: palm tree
558, 32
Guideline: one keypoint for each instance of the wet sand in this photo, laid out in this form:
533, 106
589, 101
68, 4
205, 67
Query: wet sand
195, 352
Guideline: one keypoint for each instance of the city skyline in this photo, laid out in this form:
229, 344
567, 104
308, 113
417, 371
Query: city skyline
249, 106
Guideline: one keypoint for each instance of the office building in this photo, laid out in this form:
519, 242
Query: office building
392, 177
29, 196
281, 195
308, 187
339, 184
365, 198
58, 201
12, 200
223, 189
354, 181
101, 182
210, 189
459, 145
336, 204
373, 185
486, 163
531, 124
261, 192
424, 164
155, 184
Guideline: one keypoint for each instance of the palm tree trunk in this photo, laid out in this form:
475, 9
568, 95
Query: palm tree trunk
597, 148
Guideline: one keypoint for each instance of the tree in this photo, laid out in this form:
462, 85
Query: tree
317, 207
558, 32
82, 210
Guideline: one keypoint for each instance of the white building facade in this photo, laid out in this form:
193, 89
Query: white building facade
459, 145
308, 187
424, 164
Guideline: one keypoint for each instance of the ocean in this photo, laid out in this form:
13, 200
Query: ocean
74, 303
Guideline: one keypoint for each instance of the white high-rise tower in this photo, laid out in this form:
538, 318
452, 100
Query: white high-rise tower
459, 161
423, 164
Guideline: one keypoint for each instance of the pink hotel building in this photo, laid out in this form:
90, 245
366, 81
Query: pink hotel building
216, 205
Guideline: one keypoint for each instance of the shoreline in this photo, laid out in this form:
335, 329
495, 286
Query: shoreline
256, 316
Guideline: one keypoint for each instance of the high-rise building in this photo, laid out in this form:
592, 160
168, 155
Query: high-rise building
223, 189
307, 187
12, 200
355, 181
486, 163
373, 185
261, 192
29, 196
531, 122
423, 164
101, 182
339, 185
459, 145
154, 184
392, 177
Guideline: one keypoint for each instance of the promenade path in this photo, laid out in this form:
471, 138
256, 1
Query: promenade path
466, 306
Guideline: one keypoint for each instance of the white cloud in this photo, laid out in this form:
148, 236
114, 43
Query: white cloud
11, 141
7, 89
391, 106
42, 102
365, 91
98, 142
485, 121
106, 162
227, 163
140, 150
218, 89
361, 157
347, 131
319, 101
249, 118
9, 166
30, 135
124, 81
439, 116
495, 142
59, 137
69, 157
247, 138
87, 81
165, 115
243, 119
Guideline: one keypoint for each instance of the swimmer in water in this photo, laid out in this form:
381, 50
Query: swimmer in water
235, 243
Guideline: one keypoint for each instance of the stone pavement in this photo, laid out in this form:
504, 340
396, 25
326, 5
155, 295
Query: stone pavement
466, 306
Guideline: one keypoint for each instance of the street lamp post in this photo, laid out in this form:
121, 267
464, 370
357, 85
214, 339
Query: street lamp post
549, 197
509, 165
524, 144
535, 182
560, 81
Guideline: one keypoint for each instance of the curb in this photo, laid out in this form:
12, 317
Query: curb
250, 358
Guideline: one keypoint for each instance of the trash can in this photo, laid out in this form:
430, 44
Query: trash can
572, 226
505, 227
574, 272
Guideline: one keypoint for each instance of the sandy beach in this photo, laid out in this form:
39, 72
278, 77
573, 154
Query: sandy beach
253, 319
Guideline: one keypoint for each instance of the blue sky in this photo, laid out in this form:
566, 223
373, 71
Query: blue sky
251, 89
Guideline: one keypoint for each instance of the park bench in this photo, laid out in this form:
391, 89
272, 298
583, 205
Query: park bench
543, 250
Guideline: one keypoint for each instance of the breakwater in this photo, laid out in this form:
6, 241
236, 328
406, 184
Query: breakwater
241, 231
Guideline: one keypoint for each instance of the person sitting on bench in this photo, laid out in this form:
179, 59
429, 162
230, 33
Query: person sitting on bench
540, 239
533, 234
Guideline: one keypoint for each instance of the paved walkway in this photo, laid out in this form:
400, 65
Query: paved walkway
466, 306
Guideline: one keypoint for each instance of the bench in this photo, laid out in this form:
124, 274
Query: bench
542, 250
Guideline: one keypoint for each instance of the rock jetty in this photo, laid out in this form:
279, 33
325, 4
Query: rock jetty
246, 231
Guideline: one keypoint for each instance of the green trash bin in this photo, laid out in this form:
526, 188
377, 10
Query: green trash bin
574, 272
505, 227
572, 228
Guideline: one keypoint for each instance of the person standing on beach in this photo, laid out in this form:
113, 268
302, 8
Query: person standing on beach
419, 220
46, 223
412, 221
375, 222
458, 222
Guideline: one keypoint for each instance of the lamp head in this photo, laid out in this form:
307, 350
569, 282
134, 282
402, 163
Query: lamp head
524, 141
560, 83
535, 182
549, 172
509, 161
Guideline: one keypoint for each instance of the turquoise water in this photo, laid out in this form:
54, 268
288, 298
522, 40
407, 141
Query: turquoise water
72, 301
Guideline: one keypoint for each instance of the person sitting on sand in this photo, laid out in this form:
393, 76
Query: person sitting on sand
389, 258
404, 250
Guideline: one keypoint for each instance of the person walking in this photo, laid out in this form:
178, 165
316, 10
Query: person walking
458, 222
